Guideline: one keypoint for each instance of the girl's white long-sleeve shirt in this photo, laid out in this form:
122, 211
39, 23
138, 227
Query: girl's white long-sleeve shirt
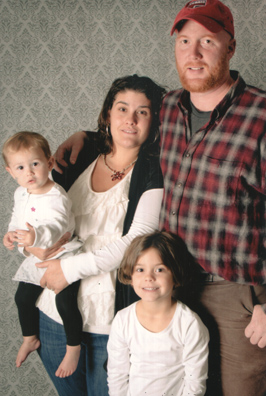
51, 217
49, 214
171, 362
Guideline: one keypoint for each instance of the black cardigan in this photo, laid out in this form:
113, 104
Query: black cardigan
146, 175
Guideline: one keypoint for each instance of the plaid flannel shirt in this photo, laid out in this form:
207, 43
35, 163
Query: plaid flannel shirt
215, 187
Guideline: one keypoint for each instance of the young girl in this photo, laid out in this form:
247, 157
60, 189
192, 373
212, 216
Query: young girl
41, 216
157, 346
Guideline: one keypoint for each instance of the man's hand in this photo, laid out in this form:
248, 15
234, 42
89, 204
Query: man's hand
73, 144
53, 277
9, 239
256, 330
25, 237
46, 254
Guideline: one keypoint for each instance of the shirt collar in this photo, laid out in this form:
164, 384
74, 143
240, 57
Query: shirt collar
236, 89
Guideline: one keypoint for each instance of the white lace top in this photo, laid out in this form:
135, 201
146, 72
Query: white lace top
99, 220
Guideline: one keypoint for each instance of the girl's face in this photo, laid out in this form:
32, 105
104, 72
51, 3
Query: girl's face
130, 120
30, 168
151, 279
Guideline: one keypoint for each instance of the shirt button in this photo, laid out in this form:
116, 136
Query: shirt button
187, 155
173, 213
179, 185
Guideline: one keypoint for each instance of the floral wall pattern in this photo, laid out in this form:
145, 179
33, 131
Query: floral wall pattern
57, 60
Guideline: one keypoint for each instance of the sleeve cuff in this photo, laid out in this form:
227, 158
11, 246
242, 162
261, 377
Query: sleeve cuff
79, 267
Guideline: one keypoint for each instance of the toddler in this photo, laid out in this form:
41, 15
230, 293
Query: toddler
157, 346
41, 216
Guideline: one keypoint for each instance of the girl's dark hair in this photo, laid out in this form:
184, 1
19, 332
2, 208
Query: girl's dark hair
172, 250
151, 90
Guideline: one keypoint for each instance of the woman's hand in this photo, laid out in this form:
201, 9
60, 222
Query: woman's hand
53, 277
46, 254
73, 144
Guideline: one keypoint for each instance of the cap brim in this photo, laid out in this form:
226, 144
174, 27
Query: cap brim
208, 23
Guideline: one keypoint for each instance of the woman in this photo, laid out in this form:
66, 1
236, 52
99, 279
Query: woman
116, 188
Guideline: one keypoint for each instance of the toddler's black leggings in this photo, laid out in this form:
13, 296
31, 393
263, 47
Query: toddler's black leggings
67, 306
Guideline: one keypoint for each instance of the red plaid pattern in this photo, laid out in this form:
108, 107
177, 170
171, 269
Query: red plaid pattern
215, 187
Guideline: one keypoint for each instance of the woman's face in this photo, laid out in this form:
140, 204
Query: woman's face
130, 120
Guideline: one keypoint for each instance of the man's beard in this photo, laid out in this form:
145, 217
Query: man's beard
213, 80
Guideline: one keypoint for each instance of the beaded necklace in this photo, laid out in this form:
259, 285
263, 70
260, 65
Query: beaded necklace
117, 175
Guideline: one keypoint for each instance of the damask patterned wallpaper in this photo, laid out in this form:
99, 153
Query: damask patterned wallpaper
57, 60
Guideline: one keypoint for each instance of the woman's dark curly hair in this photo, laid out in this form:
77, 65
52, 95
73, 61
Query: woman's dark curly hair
151, 90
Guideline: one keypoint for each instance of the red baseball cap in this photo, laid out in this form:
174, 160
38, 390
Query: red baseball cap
212, 14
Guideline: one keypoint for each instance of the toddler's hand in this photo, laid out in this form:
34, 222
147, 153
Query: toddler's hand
9, 239
25, 237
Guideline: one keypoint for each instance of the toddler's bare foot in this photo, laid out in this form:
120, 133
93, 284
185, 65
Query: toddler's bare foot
70, 362
29, 345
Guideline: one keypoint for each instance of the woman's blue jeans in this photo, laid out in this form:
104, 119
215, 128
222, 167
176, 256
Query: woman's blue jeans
90, 378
